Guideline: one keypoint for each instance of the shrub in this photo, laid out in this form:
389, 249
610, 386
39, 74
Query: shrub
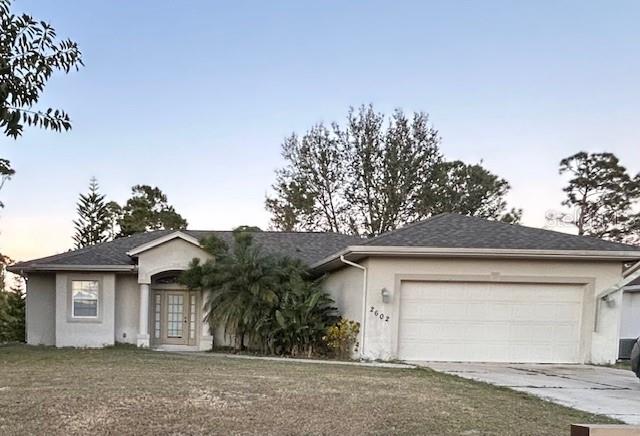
342, 338
300, 318
12, 314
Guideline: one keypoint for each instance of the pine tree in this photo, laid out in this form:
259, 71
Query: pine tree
147, 209
603, 194
93, 223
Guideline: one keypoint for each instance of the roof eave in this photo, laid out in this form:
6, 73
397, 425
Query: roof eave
20, 269
408, 251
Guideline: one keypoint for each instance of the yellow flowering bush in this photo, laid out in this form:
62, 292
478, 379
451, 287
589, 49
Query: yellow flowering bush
342, 338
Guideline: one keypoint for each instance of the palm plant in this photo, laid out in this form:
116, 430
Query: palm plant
269, 300
241, 286
299, 321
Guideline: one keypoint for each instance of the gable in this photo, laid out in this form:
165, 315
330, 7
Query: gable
174, 254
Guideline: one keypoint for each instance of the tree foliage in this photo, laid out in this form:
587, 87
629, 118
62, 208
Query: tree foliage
376, 174
94, 221
387, 169
5, 174
29, 54
265, 300
4, 261
602, 195
246, 228
468, 190
12, 314
147, 209
12, 307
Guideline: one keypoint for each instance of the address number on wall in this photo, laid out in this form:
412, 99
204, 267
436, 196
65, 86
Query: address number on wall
379, 315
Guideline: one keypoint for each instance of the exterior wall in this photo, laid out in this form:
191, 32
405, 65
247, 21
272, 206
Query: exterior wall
172, 255
345, 287
175, 254
85, 333
41, 309
630, 324
381, 337
127, 308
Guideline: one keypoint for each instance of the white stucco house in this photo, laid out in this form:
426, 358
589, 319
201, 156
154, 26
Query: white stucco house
450, 288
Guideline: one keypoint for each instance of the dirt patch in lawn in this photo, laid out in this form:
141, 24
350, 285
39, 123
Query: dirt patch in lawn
130, 391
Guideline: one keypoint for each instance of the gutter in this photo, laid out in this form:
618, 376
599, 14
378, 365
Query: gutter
628, 276
17, 269
408, 251
364, 301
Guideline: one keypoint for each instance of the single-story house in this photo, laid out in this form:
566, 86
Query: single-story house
449, 288
630, 323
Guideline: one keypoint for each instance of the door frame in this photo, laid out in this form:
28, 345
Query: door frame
191, 312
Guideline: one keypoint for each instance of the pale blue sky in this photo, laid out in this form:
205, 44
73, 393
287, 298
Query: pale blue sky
196, 96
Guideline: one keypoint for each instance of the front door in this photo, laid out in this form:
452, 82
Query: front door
175, 317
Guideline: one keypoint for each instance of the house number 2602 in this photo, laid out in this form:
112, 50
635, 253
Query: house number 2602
379, 314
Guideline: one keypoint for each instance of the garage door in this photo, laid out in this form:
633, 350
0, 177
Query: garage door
490, 322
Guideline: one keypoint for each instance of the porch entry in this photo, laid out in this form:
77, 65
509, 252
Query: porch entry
175, 317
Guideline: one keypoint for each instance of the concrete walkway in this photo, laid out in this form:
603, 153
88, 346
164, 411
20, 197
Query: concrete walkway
594, 389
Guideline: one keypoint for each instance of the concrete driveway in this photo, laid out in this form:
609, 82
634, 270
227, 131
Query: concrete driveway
594, 389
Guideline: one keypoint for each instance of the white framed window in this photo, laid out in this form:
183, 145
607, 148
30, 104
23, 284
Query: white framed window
84, 299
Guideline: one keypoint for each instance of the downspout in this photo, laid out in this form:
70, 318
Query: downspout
604, 296
364, 301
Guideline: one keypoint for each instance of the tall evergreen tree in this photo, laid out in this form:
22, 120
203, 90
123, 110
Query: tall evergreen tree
93, 223
602, 194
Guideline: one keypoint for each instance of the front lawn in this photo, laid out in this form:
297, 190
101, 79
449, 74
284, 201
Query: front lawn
128, 391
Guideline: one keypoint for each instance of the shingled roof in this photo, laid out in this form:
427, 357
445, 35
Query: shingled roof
441, 231
451, 230
306, 246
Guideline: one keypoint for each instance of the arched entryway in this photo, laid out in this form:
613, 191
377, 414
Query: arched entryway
175, 312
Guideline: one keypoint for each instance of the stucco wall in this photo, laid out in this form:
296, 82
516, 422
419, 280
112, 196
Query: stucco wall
381, 337
172, 255
345, 287
41, 309
630, 324
85, 333
127, 304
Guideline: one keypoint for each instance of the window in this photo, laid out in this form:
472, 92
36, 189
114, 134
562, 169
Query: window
84, 298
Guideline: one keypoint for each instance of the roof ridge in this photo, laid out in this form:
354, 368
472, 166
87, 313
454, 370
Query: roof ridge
319, 232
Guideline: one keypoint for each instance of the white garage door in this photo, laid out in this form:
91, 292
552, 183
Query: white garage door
490, 322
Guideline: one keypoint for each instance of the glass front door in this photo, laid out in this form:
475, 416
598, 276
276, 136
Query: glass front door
174, 317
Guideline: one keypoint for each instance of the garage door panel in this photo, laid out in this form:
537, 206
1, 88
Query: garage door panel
502, 322
421, 309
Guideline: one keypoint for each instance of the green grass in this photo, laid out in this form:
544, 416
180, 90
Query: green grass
130, 391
